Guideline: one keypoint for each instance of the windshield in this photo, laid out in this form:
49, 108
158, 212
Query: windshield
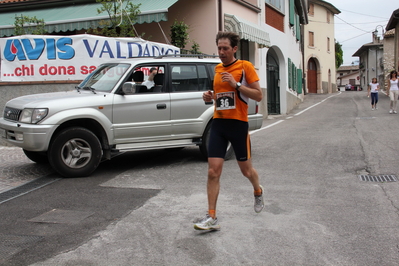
104, 78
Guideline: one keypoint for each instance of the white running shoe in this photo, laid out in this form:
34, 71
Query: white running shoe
259, 204
207, 223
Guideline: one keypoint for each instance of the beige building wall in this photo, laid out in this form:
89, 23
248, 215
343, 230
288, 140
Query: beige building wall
321, 23
200, 16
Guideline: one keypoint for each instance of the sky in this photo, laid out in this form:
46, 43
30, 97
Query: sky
356, 22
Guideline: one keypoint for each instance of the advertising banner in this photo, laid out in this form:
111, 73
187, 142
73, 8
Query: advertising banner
50, 58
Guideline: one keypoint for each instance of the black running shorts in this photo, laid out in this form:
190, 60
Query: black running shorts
224, 131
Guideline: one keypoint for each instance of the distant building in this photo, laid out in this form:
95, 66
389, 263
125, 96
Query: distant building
319, 48
393, 23
389, 55
371, 61
348, 75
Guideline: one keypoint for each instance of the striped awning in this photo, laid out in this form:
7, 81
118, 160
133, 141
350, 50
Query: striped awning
78, 17
246, 30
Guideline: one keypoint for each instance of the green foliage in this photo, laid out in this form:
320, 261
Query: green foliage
122, 15
178, 33
339, 55
29, 25
195, 48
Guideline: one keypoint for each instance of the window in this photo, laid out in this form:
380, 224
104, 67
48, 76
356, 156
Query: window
189, 78
277, 4
150, 79
328, 44
311, 39
311, 10
328, 17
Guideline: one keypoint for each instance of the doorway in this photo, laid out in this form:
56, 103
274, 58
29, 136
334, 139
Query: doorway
312, 76
273, 84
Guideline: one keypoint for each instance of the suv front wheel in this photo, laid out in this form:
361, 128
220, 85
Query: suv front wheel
75, 152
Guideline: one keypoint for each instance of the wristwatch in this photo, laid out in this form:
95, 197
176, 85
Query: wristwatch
238, 85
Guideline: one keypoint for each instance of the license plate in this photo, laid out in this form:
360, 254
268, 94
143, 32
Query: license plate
3, 133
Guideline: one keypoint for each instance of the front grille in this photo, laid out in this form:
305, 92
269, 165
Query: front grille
11, 114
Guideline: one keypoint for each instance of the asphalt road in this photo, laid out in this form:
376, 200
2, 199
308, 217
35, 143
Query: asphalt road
138, 208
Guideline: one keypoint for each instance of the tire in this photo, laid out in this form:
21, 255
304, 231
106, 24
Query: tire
75, 152
37, 157
205, 141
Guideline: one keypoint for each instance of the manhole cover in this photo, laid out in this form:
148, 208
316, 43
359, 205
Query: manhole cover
378, 178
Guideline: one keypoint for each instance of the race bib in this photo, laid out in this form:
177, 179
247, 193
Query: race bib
225, 100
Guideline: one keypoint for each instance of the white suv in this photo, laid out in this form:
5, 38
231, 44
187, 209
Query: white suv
111, 112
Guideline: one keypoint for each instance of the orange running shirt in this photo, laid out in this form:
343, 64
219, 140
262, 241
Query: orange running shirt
230, 103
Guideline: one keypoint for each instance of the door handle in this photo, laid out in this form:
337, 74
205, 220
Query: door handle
161, 106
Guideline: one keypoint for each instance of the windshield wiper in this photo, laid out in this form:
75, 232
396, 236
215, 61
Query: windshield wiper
90, 88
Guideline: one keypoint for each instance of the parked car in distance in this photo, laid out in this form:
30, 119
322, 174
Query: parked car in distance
111, 111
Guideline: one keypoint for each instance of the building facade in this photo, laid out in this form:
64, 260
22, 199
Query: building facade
348, 76
371, 64
393, 23
319, 48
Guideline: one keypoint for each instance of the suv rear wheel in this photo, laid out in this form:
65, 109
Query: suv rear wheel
75, 152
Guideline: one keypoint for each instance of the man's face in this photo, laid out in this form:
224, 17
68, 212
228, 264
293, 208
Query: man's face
225, 51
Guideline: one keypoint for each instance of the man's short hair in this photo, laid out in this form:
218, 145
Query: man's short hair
232, 36
152, 69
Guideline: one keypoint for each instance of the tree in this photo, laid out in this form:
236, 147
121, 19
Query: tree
195, 48
29, 25
178, 33
122, 15
339, 55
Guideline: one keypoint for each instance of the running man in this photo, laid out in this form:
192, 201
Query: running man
235, 82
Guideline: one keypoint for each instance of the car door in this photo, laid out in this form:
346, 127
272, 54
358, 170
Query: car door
188, 83
143, 116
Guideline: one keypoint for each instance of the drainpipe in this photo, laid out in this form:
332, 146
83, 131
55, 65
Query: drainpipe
220, 14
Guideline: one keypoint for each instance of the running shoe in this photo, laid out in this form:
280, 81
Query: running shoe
395, 112
207, 223
390, 111
259, 204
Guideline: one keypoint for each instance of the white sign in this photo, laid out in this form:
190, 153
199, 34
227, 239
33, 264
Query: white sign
47, 57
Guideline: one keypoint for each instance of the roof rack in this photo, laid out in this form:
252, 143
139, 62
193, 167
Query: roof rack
200, 56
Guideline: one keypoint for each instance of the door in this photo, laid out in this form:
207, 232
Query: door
142, 116
312, 76
273, 86
188, 83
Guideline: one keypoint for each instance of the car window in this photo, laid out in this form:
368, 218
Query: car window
105, 77
189, 78
148, 79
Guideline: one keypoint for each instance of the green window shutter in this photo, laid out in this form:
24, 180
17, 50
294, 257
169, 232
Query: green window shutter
294, 77
297, 28
299, 79
289, 73
292, 12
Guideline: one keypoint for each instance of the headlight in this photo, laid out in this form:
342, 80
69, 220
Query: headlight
33, 116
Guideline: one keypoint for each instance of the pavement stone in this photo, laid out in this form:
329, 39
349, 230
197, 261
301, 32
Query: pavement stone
16, 169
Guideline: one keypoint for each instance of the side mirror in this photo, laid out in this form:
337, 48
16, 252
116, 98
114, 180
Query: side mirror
129, 88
